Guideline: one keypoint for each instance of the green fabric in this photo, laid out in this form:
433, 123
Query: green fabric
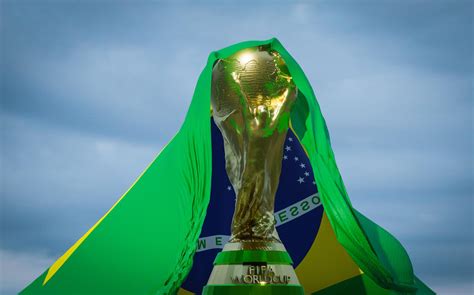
422, 288
388, 249
312, 132
146, 243
240, 257
361, 285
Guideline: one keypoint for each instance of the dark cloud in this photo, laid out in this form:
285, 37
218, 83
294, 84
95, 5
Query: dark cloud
58, 182
91, 91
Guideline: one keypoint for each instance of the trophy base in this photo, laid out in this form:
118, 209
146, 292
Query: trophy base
253, 290
253, 268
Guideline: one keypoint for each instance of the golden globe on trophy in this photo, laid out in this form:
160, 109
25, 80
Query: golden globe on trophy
252, 96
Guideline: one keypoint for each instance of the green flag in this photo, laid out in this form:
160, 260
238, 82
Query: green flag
146, 242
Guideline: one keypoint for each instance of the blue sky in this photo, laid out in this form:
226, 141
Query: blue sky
92, 90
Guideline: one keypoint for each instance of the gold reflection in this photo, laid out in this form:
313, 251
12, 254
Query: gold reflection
252, 95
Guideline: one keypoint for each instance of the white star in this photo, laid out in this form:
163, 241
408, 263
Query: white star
302, 165
300, 180
314, 182
306, 173
296, 158
290, 139
288, 148
229, 188
285, 157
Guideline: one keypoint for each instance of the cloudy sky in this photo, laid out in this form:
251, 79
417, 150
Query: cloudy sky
92, 90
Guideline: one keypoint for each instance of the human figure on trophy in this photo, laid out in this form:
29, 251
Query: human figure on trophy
252, 96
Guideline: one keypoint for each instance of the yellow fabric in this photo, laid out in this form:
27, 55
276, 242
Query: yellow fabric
327, 262
184, 292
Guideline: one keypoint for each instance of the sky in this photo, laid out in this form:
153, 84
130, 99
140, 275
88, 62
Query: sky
92, 90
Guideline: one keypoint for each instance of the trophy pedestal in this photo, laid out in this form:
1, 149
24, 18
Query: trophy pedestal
253, 268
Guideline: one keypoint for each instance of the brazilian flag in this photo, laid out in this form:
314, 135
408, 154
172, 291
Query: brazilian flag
163, 234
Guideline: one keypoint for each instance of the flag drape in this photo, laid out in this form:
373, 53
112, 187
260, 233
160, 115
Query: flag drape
145, 243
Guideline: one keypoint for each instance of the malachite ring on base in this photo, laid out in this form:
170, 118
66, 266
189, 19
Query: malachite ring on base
253, 272
253, 290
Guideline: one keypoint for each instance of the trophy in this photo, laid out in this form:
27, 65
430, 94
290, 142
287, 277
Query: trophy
252, 95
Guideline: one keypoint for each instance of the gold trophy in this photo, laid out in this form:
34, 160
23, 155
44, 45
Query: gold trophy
252, 96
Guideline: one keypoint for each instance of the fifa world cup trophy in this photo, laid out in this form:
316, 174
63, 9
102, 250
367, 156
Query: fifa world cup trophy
252, 96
